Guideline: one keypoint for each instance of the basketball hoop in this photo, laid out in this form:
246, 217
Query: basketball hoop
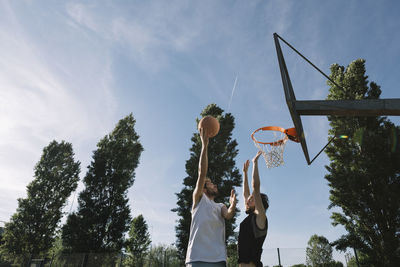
273, 151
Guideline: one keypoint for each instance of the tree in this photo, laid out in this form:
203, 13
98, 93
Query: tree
221, 169
232, 254
318, 251
361, 259
1, 235
56, 249
352, 262
2, 261
335, 264
364, 173
163, 256
103, 214
32, 227
138, 242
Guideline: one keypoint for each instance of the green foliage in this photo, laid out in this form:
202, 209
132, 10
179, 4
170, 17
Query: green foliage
232, 253
221, 170
363, 260
364, 173
352, 262
319, 251
3, 262
103, 214
1, 235
163, 256
335, 264
32, 227
299, 265
138, 243
57, 246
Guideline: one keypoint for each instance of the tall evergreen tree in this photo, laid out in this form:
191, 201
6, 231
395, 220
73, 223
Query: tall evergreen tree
103, 214
221, 169
32, 228
138, 243
364, 173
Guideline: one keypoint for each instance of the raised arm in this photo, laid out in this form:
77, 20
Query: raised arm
259, 207
246, 191
228, 213
203, 166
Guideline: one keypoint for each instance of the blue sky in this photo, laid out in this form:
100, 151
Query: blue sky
70, 70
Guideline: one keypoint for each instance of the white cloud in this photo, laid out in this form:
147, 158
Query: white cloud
148, 39
278, 15
80, 13
40, 102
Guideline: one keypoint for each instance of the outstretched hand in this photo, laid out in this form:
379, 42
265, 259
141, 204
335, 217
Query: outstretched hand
255, 159
232, 199
246, 166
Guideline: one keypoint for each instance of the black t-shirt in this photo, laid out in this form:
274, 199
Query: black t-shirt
251, 239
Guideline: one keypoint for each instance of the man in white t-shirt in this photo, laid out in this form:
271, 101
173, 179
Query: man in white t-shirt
206, 246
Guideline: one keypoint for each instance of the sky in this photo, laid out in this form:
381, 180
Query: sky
69, 70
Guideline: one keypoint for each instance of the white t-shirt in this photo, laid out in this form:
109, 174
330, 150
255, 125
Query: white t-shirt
207, 233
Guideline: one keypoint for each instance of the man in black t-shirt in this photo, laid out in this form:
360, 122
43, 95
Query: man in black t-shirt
253, 229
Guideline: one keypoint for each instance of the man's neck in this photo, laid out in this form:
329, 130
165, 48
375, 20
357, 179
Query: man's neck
210, 197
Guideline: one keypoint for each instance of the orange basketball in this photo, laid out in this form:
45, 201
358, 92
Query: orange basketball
211, 124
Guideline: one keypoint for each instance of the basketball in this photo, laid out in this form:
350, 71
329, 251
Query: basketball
211, 124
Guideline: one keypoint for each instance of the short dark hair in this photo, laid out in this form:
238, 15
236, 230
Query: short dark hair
265, 201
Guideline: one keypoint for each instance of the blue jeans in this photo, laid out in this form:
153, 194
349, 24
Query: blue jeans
206, 264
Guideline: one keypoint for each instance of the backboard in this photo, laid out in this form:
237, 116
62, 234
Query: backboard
298, 108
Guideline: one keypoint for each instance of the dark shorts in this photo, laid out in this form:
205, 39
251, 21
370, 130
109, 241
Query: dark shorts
206, 264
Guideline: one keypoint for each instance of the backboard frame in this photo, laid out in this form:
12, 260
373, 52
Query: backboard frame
363, 107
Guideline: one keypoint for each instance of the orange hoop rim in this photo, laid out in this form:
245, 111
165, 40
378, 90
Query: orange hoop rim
278, 129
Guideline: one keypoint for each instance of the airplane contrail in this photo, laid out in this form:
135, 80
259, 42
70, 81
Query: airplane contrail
233, 90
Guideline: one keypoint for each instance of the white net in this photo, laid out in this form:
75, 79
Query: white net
273, 153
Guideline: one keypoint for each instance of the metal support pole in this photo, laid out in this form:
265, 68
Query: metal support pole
309, 62
330, 141
355, 254
279, 258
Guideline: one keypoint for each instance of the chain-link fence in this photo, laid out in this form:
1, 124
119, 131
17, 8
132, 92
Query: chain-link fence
69, 260
94, 260
284, 257
288, 257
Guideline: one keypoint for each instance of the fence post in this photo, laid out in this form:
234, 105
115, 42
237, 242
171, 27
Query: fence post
279, 258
